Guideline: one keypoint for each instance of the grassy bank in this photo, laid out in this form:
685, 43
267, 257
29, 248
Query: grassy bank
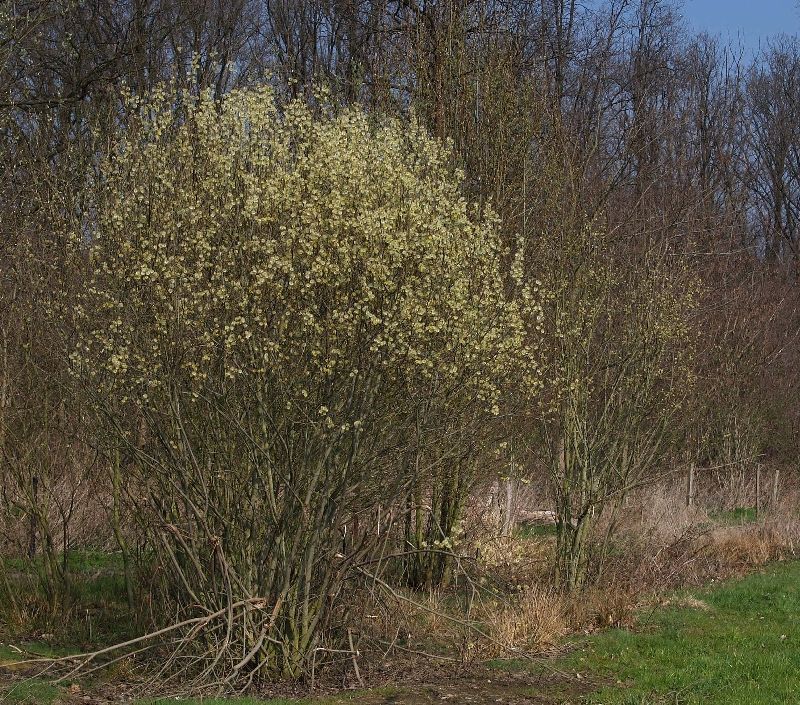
735, 644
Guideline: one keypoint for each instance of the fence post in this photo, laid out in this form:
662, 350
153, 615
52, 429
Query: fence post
32, 529
775, 485
758, 490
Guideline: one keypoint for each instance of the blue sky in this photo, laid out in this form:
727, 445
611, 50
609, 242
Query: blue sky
750, 19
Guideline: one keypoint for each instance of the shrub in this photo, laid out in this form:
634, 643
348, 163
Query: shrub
278, 303
618, 370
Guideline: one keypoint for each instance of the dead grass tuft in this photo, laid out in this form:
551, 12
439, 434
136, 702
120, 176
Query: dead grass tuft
532, 622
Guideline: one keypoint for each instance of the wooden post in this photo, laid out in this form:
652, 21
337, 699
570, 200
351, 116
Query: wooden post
32, 534
775, 485
758, 490
508, 510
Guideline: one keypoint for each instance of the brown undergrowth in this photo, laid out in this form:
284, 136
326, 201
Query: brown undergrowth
659, 545
500, 602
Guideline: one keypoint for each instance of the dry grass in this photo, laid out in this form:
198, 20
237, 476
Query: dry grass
662, 544
533, 622
687, 602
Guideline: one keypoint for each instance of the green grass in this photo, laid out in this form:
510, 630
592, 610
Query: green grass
78, 562
530, 531
31, 649
744, 649
91, 608
94, 576
740, 515
34, 691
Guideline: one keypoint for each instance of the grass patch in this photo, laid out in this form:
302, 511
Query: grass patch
738, 516
743, 650
532, 531
94, 576
510, 665
31, 649
90, 610
78, 562
34, 691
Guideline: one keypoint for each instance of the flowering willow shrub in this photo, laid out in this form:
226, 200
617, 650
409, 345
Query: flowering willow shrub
618, 372
276, 297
